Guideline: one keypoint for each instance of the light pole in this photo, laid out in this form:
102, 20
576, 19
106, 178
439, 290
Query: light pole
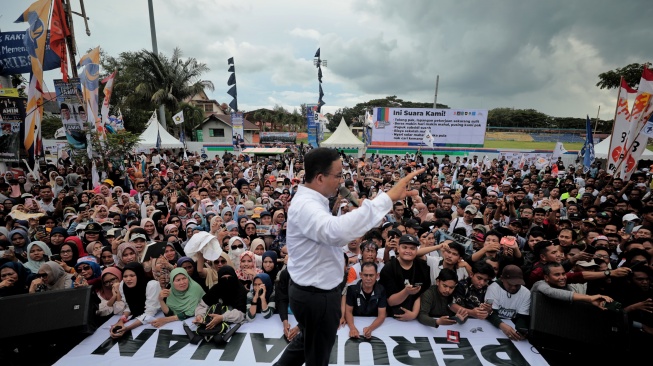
155, 49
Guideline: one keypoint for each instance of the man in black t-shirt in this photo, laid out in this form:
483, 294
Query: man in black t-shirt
405, 279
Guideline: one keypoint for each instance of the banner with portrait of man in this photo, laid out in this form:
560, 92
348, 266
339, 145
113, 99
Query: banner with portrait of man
73, 112
12, 115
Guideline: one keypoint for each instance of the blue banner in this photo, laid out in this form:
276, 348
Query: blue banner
14, 58
311, 117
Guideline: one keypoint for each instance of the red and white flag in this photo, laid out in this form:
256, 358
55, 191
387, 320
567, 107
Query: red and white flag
638, 116
620, 129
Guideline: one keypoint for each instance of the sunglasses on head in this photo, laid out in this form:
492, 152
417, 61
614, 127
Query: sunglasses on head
240, 246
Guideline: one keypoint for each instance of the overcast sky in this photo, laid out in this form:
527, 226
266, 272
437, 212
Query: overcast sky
544, 55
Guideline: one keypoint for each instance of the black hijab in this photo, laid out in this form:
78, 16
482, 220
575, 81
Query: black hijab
229, 290
135, 296
24, 279
73, 247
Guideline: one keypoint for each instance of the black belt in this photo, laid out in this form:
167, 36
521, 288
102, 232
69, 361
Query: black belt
313, 289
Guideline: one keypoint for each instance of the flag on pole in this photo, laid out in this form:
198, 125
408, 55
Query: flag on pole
428, 139
620, 130
178, 118
639, 115
58, 33
554, 170
558, 151
37, 15
158, 140
95, 177
90, 78
108, 89
588, 148
522, 161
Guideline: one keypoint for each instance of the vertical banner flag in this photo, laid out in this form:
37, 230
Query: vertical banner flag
73, 112
558, 151
58, 33
428, 139
237, 130
12, 114
37, 15
90, 78
311, 116
620, 129
588, 155
108, 90
639, 115
178, 118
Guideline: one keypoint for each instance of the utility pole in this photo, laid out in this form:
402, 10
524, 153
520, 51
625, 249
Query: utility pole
155, 49
435, 101
70, 40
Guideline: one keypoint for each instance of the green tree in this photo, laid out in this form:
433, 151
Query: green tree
145, 79
632, 74
50, 125
109, 152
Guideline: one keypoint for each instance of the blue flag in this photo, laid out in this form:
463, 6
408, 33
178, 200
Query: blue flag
158, 140
588, 148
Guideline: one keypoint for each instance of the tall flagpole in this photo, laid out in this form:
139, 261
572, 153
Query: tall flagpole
155, 49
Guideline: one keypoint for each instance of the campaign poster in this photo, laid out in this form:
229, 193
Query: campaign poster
73, 112
12, 115
14, 58
238, 132
311, 120
449, 127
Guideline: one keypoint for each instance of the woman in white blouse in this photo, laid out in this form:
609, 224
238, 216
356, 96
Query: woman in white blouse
141, 297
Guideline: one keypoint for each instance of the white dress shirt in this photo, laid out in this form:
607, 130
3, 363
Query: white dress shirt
315, 237
152, 305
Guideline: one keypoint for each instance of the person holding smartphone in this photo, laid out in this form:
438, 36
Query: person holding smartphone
434, 302
261, 298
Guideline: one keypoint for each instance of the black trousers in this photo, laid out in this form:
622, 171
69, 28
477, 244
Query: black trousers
318, 314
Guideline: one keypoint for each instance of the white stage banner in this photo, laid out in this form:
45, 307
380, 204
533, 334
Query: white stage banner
262, 343
449, 127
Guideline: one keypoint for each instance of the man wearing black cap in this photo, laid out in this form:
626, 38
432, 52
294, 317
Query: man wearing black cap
405, 279
510, 300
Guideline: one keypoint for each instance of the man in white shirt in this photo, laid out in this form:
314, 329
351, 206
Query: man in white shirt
314, 240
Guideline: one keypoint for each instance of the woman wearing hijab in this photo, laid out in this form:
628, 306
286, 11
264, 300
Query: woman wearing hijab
141, 298
58, 185
150, 229
101, 214
125, 254
72, 181
170, 254
239, 211
14, 279
160, 221
210, 272
88, 268
236, 248
228, 292
69, 256
94, 249
38, 253
191, 268
108, 290
260, 300
181, 300
247, 270
242, 221
270, 266
215, 224
20, 241
250, 232
51, 276
227, 214
79, 244
107, 258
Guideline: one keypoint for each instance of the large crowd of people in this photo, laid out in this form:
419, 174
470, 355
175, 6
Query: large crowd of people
474, 241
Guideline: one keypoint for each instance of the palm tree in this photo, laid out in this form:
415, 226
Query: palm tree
193, 116
162, 80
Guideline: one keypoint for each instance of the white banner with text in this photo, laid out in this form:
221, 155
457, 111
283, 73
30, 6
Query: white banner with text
261, 342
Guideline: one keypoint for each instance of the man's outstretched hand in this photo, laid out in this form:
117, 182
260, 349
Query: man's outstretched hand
401, 190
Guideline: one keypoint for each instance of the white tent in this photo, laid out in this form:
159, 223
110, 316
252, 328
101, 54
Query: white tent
148, 137
343, 138
602, 149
